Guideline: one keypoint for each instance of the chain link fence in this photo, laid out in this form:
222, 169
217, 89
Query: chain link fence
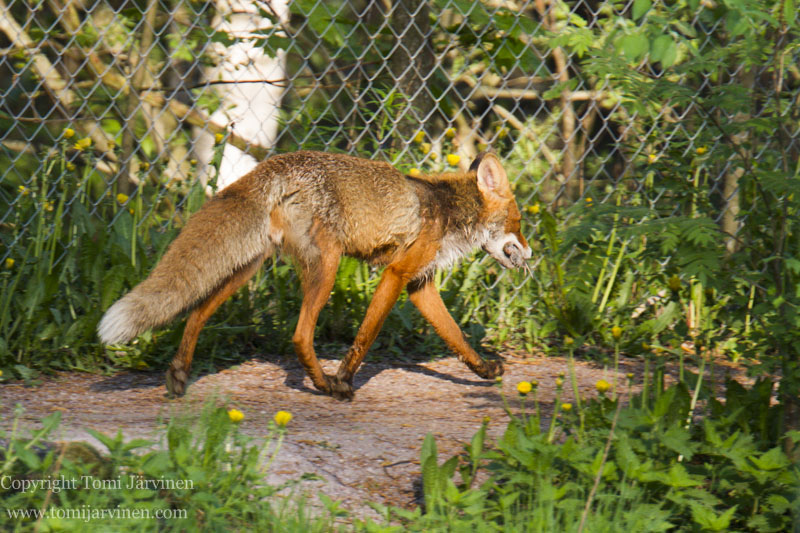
104, 99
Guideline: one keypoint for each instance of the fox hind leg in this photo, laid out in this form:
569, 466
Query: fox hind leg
178, 373
427, 299
318, 278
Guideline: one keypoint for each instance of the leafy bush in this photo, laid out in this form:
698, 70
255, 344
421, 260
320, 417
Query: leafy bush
205, 475
648, 467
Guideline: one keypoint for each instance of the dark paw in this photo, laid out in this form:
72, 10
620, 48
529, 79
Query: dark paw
176, 382
339, 388
491, 369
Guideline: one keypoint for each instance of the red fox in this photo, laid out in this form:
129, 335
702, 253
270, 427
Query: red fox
316, 207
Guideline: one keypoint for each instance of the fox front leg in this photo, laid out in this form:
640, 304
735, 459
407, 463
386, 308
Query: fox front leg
426, 298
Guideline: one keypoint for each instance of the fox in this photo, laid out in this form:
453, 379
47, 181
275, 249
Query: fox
316, 207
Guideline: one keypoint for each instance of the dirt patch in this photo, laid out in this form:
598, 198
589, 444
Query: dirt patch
364, 450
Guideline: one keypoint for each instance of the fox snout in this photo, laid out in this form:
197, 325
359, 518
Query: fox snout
515, 254
508, 251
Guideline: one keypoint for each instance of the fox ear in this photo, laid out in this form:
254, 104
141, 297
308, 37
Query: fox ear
492, 178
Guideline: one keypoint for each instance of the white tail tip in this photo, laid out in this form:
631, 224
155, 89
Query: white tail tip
118, 324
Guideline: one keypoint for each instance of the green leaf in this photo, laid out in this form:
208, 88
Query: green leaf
634, 46
640, 7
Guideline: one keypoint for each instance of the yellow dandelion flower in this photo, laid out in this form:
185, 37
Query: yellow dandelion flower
602, 386
566, 407
559, 382
450, 132
70, 166
414, 172
589, 200
218, 138
235, 415
616, 332
82, 144
534, 383
701, 150
524, 387
419, 137
652, 158
122, 198
282, 418
144, 165
434, 155
629, 375
645, 346
453, 159
193, 161
68, 133
502, 131
498, 379
425, 148
23, 190
534, 209
568, 341
486, 419
9, 262
482, 146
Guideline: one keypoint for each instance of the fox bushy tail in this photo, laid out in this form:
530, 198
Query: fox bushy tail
229, 231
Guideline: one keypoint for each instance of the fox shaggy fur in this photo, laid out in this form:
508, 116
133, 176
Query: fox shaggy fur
316, 207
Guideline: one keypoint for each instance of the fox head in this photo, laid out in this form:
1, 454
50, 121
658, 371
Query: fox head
502, 218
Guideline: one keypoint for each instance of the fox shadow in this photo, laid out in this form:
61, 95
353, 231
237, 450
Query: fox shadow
294, 374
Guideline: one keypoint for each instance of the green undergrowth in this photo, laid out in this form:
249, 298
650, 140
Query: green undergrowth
201, 473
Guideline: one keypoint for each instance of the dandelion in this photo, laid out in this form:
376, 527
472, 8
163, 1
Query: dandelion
434, 155
49, 206
502, 132
414, 172
70, 166
566, 407
425, 148
218, 138
83, 144
652, 158
453, 159
23, 190
193, 162
589, 200
144, 165
616, 332
568, 341
482, 146
645, 346
69, 133
235, 415
9, 262
419, 137
559, 382
450, 132
534, 209
524, 387
498, 379
602, 386
701, 150
122, 198
629, 375
487, 419
674, 283
282, 418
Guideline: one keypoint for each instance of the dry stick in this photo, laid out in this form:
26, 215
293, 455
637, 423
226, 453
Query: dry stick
600, 471
134, 102
53, 82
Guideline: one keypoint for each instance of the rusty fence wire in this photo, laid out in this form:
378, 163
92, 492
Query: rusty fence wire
164, 93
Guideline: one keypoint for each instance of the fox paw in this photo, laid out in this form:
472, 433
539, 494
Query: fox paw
491, 369
176, 382
339, 388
